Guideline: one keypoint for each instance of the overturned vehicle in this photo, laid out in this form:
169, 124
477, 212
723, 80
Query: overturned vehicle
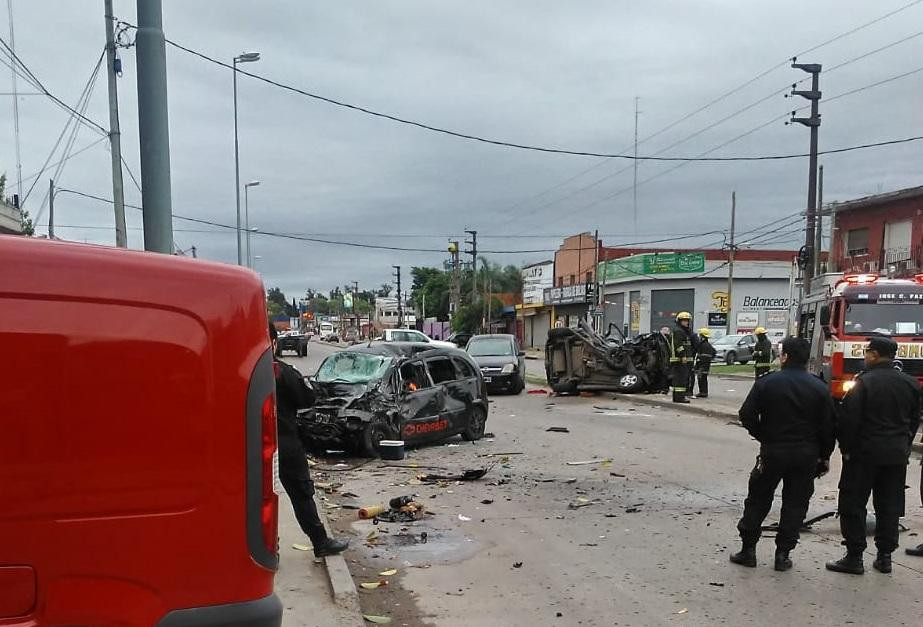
393, 391
582, 360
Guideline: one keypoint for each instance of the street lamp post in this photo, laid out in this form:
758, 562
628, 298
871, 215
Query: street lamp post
245, 57
247, 218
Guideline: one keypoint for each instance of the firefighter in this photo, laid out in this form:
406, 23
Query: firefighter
762, 353
293, 394
878, 420
703, 356
791, 414
680, 353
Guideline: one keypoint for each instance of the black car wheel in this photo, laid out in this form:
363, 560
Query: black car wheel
564, 387
476, 425
518, 386
304, 351
372, 435
730, 358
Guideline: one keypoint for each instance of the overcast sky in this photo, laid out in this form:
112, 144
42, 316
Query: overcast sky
546, 72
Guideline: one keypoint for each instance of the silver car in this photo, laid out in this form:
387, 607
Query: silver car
734, 348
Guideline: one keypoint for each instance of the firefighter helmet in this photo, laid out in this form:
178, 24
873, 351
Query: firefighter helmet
759, 331
704, 332
683, 315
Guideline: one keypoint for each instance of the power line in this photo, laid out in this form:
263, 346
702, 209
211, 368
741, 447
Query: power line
68, 158
38, 85
458, 134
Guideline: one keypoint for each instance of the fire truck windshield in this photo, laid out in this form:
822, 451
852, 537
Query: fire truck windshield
883, 319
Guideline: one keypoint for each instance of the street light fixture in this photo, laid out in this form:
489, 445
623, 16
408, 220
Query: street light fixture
244, 57
247, 218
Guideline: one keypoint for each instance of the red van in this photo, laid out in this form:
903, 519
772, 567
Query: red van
137, 440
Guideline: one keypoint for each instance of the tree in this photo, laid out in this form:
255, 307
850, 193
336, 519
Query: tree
384, 291
277, 303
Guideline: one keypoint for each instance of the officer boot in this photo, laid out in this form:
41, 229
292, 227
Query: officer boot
882, 563
746, 556
330, 546
783, 561
850, 563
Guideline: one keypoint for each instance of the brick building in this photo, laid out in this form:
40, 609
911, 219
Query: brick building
873, 233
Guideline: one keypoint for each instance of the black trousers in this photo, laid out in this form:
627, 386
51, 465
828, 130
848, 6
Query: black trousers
679, 372
296, 479
761, 369
796, 473
701, 372
886, 486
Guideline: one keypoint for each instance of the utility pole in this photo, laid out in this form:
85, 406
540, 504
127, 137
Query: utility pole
596, 316
473, 251
115, 135
634, 187
731, 250
819, 227
456, 283
400, 297
356, 306
813, 123
9, 10
50, 208
154, 128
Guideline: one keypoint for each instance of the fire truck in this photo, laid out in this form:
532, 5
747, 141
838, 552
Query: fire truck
844, 310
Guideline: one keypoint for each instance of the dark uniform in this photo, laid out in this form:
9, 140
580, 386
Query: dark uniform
762, 355
293, 394
879, 418
680, 351
703, 358
695, 340
791, 414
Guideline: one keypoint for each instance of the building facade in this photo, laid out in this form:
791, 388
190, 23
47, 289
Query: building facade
10, 219
534, 315
879, 233
643, 293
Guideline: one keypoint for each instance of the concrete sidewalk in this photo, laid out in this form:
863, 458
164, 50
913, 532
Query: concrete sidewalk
314, 592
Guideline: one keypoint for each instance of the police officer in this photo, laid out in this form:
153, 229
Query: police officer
879, 418
293, 394
791, 414
704, 354
762, 353
680, 353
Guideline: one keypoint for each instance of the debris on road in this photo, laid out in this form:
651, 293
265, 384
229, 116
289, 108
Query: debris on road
463, 518
590, 461
365, 513
371, 585
517, 564
301, 547
558, 429
388, 573
468, 475
378, 620
538, 391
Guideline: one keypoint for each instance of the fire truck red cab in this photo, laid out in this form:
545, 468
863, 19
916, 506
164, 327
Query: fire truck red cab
137, 440
844, 311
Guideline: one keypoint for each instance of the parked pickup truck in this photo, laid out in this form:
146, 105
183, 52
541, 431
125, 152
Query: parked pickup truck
412, 335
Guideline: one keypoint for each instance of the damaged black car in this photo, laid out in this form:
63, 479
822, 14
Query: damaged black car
581, 359
394, 391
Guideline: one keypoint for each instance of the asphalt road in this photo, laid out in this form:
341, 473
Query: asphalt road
642, 540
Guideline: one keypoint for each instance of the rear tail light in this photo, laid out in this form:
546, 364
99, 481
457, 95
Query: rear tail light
269, 508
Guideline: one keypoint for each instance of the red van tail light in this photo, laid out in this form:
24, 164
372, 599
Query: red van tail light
269, 509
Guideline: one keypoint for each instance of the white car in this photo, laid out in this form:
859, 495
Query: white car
412, 335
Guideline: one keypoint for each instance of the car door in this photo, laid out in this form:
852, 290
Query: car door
520, 358
416, 336
748, 347
456, 398
469, 383
421, 404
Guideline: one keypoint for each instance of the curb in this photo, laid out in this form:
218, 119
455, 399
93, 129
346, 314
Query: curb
345, 594
691, 408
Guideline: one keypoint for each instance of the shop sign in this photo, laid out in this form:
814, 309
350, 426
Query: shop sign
652, 263
717, 318
747, 320
566, 295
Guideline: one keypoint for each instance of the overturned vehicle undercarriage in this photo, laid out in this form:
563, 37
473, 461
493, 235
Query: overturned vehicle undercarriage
582, 360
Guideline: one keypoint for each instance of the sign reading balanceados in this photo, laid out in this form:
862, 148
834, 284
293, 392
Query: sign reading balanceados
652, 263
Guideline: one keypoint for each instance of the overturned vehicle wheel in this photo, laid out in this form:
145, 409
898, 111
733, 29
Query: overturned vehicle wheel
371, 436
630, 382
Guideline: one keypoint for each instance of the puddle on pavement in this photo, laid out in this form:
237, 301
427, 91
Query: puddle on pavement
442, 546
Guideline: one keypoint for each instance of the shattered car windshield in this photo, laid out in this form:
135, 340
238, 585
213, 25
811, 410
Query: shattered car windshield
347, 367
490, 347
